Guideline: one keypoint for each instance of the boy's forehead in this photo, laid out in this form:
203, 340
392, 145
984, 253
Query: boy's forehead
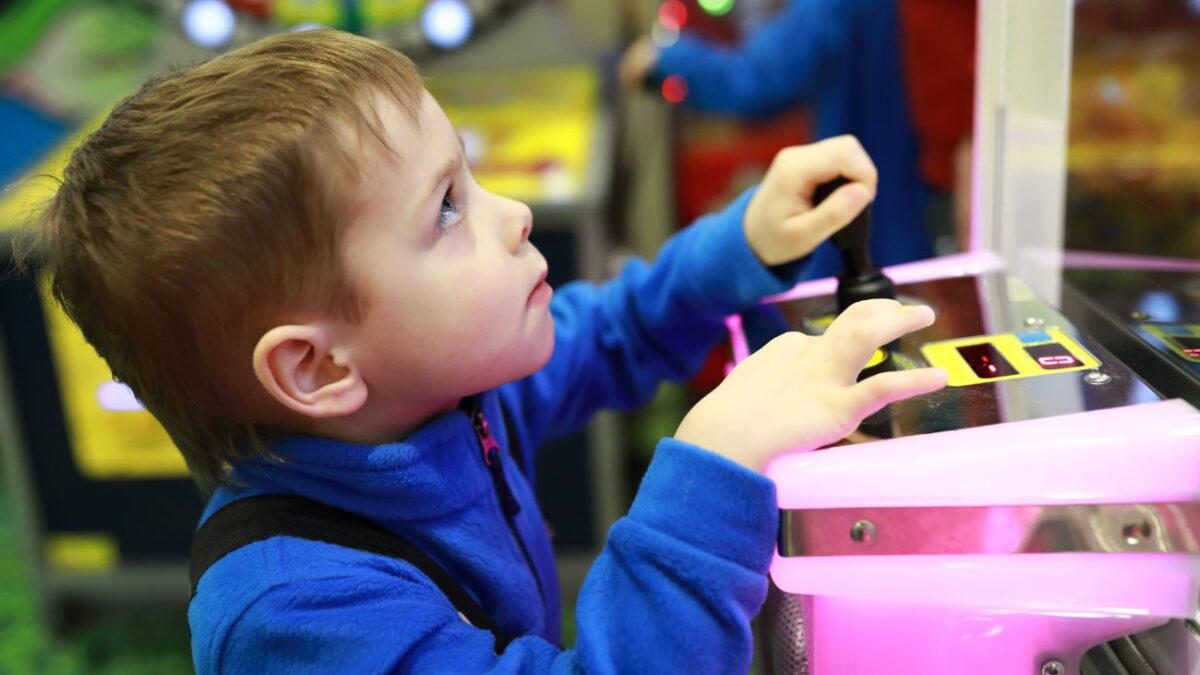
427, 134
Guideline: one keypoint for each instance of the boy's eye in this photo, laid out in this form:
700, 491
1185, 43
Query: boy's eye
450, 214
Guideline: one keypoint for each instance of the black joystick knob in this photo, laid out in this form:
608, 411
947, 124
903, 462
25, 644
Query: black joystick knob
860, 278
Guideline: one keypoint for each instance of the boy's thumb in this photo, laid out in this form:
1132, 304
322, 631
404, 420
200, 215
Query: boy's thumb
837, 210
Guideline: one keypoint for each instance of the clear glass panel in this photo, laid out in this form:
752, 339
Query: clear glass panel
1133, 183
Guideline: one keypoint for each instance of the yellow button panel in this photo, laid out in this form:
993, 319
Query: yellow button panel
1183, 339
876, 358
1008, 356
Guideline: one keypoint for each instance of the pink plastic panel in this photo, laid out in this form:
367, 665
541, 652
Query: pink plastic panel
850, 637
1141, 453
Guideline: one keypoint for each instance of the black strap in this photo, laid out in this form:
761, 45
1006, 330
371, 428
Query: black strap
258, 518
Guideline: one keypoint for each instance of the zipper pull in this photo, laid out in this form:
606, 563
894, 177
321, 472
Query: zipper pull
491, 458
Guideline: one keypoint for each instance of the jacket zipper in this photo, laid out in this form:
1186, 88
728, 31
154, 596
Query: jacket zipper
508, 502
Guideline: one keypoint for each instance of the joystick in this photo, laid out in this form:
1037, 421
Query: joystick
860, 278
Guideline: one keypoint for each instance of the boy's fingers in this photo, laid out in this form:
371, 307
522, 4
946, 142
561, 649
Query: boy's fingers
825, 160
879, 390
862, 309
819, 223
873, 326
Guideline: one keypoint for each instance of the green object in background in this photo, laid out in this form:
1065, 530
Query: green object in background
21, 25
297, 12
148, 643
716, 7
93, 53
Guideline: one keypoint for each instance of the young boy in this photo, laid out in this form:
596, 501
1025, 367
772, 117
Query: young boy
284, 254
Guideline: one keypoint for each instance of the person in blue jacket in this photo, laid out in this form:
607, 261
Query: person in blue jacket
326, 304
842, 58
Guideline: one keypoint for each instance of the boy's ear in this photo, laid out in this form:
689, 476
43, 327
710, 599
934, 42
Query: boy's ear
302, 368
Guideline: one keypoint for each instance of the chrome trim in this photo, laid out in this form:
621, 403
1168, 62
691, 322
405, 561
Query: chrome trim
962, 530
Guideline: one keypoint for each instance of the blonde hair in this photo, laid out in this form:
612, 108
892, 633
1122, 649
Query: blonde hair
209, 204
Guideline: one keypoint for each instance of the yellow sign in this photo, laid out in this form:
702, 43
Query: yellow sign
1008, 356
25, 198
112, 436
527, 133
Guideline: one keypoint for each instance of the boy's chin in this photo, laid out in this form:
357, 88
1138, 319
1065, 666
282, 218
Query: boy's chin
545, 351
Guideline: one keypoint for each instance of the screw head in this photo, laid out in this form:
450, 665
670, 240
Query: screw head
863, 532
1053, 668
1097, 377
1136, 532
1034, 321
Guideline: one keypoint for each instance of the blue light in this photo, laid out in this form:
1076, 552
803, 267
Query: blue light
447, 23
209, 23
1159, 305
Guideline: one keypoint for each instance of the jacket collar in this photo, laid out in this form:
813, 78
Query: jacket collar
433, 472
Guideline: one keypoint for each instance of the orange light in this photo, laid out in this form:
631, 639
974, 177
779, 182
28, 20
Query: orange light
674, 89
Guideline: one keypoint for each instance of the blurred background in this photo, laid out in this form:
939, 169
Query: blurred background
618, 122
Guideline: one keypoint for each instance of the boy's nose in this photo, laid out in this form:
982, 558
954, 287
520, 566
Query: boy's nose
519, 225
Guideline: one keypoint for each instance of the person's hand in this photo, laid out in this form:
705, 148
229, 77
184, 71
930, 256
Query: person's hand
637, 63
800, 392
781, 222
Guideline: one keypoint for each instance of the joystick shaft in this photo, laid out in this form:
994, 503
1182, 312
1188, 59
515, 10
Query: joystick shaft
860, 278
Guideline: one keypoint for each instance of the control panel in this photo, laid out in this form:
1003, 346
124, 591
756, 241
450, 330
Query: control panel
1008, 356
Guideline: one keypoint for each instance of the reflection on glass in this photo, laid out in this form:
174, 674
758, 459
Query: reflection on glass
1133, 183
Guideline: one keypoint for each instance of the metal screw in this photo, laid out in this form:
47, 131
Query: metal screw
1097, 377
1136, 532
863, 532
1053, 668
1034, 321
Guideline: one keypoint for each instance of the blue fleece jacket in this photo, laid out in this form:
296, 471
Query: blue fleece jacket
679, 577
843, 58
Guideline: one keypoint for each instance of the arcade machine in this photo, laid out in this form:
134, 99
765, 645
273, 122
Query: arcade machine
96, 483
1041, 514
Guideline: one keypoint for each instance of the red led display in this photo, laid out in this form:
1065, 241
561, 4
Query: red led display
986, 361
1189, 345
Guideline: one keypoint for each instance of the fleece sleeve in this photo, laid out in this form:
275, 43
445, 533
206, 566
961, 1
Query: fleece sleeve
614, 343
673, 591
778, 65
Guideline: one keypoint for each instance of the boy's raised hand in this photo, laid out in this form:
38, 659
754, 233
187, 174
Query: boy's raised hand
781, 222
800, 392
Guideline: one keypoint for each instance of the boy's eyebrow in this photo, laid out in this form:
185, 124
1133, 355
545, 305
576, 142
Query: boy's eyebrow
448, 170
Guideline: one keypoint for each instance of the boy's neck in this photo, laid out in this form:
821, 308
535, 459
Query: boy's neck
376, 425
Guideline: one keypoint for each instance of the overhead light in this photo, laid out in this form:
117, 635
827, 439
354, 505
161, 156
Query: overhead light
208, 23
447, 23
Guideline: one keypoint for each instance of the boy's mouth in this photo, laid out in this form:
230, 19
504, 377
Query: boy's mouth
541, 290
